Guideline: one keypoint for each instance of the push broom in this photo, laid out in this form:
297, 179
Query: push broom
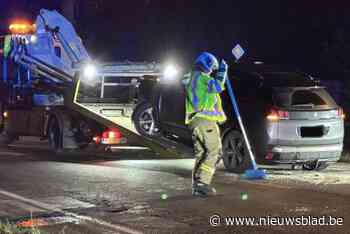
255, 173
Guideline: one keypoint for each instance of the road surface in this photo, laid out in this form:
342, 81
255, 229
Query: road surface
133, 191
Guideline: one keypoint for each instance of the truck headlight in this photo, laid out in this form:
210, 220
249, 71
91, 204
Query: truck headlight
170, 72
89, 72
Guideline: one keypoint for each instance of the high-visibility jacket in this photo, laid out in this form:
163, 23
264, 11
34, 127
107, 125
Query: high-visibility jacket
7, 45
203, 97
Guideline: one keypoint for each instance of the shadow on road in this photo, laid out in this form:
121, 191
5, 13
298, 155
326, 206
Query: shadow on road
121, 158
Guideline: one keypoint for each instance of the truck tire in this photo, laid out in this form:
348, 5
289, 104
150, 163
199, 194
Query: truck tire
144, 121
235, 153
7, 138
55, 135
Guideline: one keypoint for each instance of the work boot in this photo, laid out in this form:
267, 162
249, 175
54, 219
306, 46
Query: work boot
203, 190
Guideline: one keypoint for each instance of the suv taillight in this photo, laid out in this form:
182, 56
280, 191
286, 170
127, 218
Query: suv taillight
341, 113
276, 115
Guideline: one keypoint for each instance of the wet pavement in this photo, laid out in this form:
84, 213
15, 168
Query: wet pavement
133, 191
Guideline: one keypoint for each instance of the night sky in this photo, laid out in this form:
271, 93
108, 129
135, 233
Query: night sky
311, 35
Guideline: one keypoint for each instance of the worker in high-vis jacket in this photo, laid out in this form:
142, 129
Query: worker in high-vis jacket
203, 114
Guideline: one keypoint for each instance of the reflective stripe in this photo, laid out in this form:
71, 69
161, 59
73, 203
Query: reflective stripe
212, 113
216, 106
7, 46
206, 168
214, 84
210, 86
194, 93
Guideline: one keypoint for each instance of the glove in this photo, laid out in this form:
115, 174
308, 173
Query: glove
223, 66
222, 72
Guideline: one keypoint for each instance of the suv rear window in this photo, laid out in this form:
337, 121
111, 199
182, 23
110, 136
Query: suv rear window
303, 98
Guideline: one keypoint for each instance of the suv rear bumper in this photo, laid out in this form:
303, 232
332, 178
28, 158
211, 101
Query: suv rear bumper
302, 154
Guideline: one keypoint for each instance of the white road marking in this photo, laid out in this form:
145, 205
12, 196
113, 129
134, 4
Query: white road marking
48, 207
30, 201
66, 202
12, 208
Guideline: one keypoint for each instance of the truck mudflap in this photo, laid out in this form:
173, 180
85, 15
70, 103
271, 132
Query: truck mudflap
124, 124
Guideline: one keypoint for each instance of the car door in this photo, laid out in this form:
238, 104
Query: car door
172, 107
246, 89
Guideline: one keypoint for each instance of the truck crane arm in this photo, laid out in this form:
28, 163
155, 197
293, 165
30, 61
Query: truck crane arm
54, 50
63, 31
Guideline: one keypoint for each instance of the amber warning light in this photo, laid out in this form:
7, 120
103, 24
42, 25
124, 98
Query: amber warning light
22, 28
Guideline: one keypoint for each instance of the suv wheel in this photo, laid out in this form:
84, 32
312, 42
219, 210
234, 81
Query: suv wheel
144, 121
235, 153
319, 166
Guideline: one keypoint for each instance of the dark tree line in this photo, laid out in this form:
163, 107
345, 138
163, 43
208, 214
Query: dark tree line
311, 34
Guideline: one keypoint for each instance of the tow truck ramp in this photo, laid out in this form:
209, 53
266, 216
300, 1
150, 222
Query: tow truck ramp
103, 114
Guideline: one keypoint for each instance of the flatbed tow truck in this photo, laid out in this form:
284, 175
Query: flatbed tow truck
51, 88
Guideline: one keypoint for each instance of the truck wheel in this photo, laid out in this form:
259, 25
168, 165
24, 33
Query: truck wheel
144, 121
235, 154
7, 138
54, 134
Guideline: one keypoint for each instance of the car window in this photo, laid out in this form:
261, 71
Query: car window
266, 95
303, 98
244, 84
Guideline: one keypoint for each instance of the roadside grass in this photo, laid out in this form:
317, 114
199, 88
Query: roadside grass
8, 228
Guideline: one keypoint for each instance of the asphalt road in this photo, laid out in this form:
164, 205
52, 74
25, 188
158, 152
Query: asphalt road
133, 191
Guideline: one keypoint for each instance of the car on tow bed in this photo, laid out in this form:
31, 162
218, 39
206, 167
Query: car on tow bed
290, 119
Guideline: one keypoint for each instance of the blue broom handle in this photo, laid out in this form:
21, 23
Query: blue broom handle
238, 115
232, 97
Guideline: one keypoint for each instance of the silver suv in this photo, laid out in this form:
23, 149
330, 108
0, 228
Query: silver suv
289, 118
307, 125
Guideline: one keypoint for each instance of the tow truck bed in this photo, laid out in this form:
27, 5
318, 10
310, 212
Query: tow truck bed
116, 116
